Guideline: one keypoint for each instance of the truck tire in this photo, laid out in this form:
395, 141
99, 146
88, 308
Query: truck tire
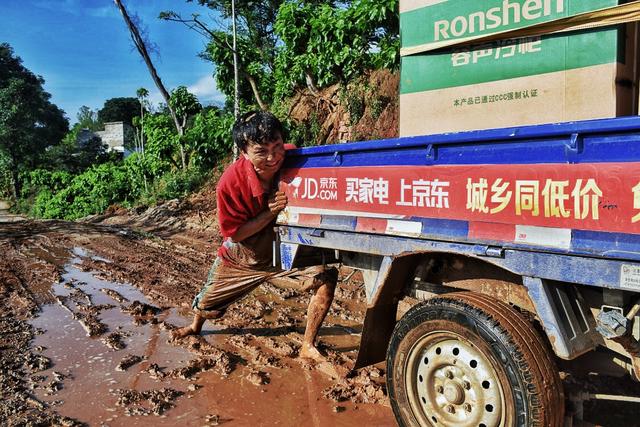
465, 359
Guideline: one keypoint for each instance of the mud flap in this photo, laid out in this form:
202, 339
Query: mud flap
378, 326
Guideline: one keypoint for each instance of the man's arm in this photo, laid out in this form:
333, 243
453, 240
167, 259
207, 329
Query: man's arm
264, 218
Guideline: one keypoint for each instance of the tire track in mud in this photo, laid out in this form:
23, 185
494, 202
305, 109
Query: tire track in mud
255, 348
20, 364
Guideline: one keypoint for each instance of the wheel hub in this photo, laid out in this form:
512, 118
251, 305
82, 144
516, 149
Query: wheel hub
454, 393
452, 383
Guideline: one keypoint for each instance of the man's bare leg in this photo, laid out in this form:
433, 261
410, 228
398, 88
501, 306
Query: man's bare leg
317, 311
196, 326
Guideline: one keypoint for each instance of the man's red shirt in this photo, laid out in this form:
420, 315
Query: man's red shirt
240, 196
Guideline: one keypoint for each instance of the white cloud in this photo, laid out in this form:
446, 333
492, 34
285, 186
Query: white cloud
207, 91
103, 12
155, 98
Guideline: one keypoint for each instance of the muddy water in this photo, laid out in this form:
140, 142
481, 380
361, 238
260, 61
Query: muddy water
83, 381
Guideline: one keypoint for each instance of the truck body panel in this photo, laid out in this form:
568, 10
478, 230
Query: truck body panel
569, 188
555, 205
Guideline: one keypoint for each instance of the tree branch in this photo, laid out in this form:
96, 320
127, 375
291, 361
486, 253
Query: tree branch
142, 49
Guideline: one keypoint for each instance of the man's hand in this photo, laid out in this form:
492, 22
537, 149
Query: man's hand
277, 202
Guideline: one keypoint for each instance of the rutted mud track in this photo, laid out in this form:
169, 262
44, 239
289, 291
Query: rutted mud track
85, 317
86, 311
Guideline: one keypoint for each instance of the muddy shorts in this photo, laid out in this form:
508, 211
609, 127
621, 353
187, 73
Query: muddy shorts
227, 284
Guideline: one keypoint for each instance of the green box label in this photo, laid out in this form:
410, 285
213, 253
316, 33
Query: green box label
506, 59
459, 19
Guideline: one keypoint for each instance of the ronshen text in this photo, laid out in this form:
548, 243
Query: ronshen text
509, 13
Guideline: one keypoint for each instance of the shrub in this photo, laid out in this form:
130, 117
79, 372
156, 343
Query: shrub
178, 184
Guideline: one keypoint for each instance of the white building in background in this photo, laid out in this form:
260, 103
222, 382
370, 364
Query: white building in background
116, 135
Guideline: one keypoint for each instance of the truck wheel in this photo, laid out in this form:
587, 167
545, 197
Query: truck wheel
468, 360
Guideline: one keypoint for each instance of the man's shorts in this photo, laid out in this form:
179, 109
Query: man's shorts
227, 284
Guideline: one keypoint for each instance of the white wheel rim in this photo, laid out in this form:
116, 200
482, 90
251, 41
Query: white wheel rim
450, 382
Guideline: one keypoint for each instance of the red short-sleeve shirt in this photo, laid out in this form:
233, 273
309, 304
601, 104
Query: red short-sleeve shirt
240, 195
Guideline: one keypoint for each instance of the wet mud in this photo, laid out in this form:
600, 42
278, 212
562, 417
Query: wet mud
86, 314
86, 321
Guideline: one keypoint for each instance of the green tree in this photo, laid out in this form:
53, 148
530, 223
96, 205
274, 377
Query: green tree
209, 138
29, 122
142, 95
185, 105
324, 44
78, 151
119, 110
88, 119
88, 193
162, 149
285, 44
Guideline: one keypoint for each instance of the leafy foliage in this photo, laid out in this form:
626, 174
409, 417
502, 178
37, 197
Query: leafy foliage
73, 193
78, 150
328, 44
184, 103
161, 149
252, 67
256, 45
179, 184
5, 176
88, 193
209, 138
283, 45
29, 122
88, 119
119, 110
286, 44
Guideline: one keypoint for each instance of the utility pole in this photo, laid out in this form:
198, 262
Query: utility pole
236, 89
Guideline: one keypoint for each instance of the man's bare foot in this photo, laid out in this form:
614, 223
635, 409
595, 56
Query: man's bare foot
309, 351
183, 332
193, 329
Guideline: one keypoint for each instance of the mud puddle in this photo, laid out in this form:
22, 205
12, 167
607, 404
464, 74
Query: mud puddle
109, 361
92, 336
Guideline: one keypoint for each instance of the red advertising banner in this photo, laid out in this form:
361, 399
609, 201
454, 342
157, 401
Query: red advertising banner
598, 196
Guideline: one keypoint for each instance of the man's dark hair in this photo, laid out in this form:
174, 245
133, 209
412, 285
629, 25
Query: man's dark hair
256, 127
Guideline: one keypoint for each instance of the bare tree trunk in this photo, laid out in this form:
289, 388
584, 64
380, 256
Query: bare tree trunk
236, 86
14, 189
136, 139
181, 141
142, 129
142, 49
311, 85
256, 92
14, 183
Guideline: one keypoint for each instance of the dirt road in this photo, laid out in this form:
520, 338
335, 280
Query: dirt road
85, 316
86, 311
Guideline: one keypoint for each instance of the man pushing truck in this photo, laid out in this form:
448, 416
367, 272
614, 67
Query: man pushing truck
248, 203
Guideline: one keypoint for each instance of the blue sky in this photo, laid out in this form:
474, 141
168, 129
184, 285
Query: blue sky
83, 50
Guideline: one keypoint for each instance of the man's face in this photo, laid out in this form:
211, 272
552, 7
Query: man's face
266, 158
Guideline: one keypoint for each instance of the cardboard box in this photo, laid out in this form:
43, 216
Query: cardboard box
510, 82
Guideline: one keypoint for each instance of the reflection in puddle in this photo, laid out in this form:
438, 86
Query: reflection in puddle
89, 378
89, 364
82, 253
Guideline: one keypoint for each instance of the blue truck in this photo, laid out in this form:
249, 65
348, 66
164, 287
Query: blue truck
521, 246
